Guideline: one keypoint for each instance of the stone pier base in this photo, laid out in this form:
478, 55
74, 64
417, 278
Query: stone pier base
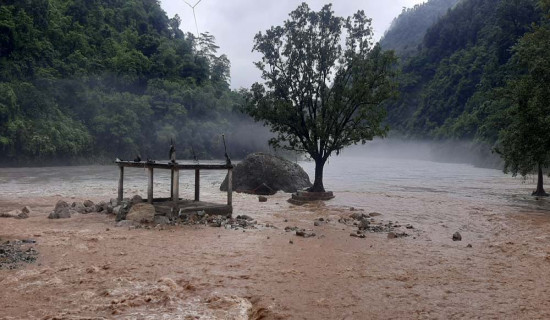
303, 197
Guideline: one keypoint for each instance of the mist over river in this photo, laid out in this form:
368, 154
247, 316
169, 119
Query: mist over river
349, 176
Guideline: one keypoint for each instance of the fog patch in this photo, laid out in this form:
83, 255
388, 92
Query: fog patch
474, 153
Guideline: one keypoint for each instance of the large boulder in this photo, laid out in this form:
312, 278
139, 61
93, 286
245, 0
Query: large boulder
141, 212
61, 211
264, 174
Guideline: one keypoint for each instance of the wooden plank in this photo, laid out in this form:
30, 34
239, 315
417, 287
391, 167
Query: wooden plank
197, 184
150, 186
230, 187
169, 166
120, 184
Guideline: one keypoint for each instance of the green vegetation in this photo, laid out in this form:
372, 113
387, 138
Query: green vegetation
448, 88
98, 79
407, 31
481, 74
319, 97
524, 142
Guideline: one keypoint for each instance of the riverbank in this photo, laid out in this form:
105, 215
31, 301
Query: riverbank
86, 267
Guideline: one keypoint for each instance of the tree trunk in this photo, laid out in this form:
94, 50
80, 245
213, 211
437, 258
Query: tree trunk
540, 187
318, 183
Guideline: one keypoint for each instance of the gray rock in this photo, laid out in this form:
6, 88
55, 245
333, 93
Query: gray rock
26, 209
114, 202
23, 214
141, 212
88, 203
61, 211
135, 200
126, 223
11, 214
392, 235
78, 207
357, 216
364, 224
262, 199
374, 214
162, 220
101, 206
260, 173
457, 236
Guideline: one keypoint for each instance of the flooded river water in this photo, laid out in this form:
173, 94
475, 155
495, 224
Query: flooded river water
87, 268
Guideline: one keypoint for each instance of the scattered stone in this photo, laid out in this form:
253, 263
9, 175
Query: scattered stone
317, 223
290, 241
392, 235
409, 227
374, 214
262, 199
162, 220
135, 200
27, 210
141, 212
302, 233
14, 253
351, 209
357, 216
126, 223
88, 203
101, 206
364, 224
23, 214
358, 235
61, 211
244, 217
457, 236
469, 245
287, 229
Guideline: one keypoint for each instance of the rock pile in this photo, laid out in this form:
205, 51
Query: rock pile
15, 252
17, 214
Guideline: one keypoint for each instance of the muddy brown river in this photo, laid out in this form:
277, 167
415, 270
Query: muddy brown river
89, 269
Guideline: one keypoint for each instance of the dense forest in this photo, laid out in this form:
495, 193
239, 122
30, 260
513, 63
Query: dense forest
452, 86
99, 79
408, 29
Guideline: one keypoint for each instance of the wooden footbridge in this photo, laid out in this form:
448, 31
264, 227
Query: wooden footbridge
174, 203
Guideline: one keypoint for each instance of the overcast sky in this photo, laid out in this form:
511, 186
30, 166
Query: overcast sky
235, 22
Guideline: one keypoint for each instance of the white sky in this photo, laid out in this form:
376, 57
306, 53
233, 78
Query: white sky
235, 22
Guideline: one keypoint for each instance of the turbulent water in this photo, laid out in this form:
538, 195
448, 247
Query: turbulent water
499, 269
349, 176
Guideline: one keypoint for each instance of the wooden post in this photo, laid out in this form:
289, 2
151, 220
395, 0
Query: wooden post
172, 183
120, 184
150, 186
197, 184
230, 187
176, 184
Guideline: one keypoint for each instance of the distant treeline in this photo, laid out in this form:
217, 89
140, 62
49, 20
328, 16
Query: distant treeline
98, 79
451, 87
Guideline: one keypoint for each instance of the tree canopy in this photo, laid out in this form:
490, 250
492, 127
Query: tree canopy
108, 78
319, 96
524, 142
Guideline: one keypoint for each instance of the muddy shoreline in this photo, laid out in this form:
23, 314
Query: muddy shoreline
88, 268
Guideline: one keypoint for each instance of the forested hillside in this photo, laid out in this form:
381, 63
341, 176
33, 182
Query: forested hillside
407, 30
97, 79
451, 87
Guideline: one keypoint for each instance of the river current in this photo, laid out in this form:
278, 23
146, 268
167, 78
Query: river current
348, 176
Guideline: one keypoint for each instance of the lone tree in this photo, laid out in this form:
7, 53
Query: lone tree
524, 143
319, 96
